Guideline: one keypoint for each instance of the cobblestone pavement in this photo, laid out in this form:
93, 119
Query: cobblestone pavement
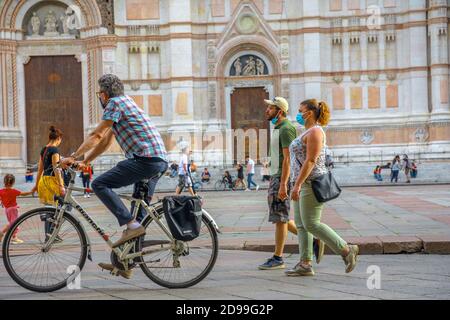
381, 219
383, 216
235, 277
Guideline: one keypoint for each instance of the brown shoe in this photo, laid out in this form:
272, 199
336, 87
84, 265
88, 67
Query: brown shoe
1, 236
129, 234
126, 274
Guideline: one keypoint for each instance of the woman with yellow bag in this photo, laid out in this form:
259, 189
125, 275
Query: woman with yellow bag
49, 181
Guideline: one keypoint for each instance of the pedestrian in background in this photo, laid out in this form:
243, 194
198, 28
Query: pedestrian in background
8, 199
250, 173
86, 175
49, 179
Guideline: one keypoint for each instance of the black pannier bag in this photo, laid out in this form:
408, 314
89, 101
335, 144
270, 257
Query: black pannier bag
184, 216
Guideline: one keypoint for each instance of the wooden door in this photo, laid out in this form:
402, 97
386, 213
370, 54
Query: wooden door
53, 96
248, 112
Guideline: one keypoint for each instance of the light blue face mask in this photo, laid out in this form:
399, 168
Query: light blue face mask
300, 119
274, 121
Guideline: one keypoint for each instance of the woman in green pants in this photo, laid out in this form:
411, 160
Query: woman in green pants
307, 163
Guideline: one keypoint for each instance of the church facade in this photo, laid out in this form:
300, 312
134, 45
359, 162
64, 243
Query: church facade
201, 69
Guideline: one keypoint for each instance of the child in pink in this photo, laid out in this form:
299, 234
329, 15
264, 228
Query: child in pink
8, 198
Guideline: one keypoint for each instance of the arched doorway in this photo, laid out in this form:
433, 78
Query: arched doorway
50, 61
53, 92
248, 81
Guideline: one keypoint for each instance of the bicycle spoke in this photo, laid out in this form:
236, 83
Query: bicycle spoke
46, 270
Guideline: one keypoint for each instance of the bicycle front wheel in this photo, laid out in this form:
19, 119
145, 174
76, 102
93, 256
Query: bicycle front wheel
38, 269
177, 264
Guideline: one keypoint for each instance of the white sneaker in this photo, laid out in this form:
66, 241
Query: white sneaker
88, 195
257, 188
85, 196
247, 190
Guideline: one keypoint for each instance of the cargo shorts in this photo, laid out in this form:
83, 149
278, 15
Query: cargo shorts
278, 209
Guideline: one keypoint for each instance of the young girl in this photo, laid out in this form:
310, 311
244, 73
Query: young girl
8, 197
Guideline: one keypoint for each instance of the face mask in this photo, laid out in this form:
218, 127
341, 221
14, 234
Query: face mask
275, 120
300, 119
102, 104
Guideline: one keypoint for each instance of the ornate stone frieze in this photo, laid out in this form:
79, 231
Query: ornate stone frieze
247, 83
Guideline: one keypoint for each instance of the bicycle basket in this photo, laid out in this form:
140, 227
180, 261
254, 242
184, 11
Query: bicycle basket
184, 216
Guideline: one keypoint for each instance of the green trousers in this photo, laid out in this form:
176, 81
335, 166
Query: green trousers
307, 212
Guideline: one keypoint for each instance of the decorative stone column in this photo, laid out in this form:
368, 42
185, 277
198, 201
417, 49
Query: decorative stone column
438, 34
10, 135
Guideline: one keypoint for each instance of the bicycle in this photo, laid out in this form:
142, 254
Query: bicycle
222, 185
55, 240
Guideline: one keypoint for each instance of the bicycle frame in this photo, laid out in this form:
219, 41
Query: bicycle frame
69, 202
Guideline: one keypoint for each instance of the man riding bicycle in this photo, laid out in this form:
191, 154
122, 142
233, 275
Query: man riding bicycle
146, 156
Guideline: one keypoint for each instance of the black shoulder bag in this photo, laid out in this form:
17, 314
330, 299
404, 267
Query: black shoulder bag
325, 188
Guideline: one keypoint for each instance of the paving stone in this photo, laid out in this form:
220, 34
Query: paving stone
436, 244
401, 244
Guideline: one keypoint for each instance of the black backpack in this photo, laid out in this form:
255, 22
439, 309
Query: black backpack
184, 216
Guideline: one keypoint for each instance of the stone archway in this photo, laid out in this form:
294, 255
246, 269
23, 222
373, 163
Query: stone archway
17, 50
235, 88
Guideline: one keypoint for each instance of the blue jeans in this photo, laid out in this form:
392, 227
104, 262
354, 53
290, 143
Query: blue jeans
394, 175
250, 180
127, 172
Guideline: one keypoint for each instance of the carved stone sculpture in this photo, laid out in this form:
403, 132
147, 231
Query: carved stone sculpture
50, 22
35, 24
238, 67
259, 67
250, 67
68, 21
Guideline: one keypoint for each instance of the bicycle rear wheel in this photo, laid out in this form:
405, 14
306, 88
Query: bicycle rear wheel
220, 186
177, 264
36, 269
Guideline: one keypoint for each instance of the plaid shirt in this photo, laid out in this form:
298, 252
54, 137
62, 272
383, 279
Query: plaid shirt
133, 129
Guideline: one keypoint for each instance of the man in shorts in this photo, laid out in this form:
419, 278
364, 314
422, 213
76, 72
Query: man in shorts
279, 187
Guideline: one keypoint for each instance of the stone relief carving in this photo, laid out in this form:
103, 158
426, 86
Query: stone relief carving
211, 70
35, 24
259, 67
421, 135
107, 11
212, 100
373, 76
50, 23
367, 137
238, 67
338, 78
69, 21
252, 66
247, 23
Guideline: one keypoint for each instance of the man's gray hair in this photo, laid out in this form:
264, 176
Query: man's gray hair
112, 85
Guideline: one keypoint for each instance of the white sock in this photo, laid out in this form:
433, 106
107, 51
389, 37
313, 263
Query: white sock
133, 225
